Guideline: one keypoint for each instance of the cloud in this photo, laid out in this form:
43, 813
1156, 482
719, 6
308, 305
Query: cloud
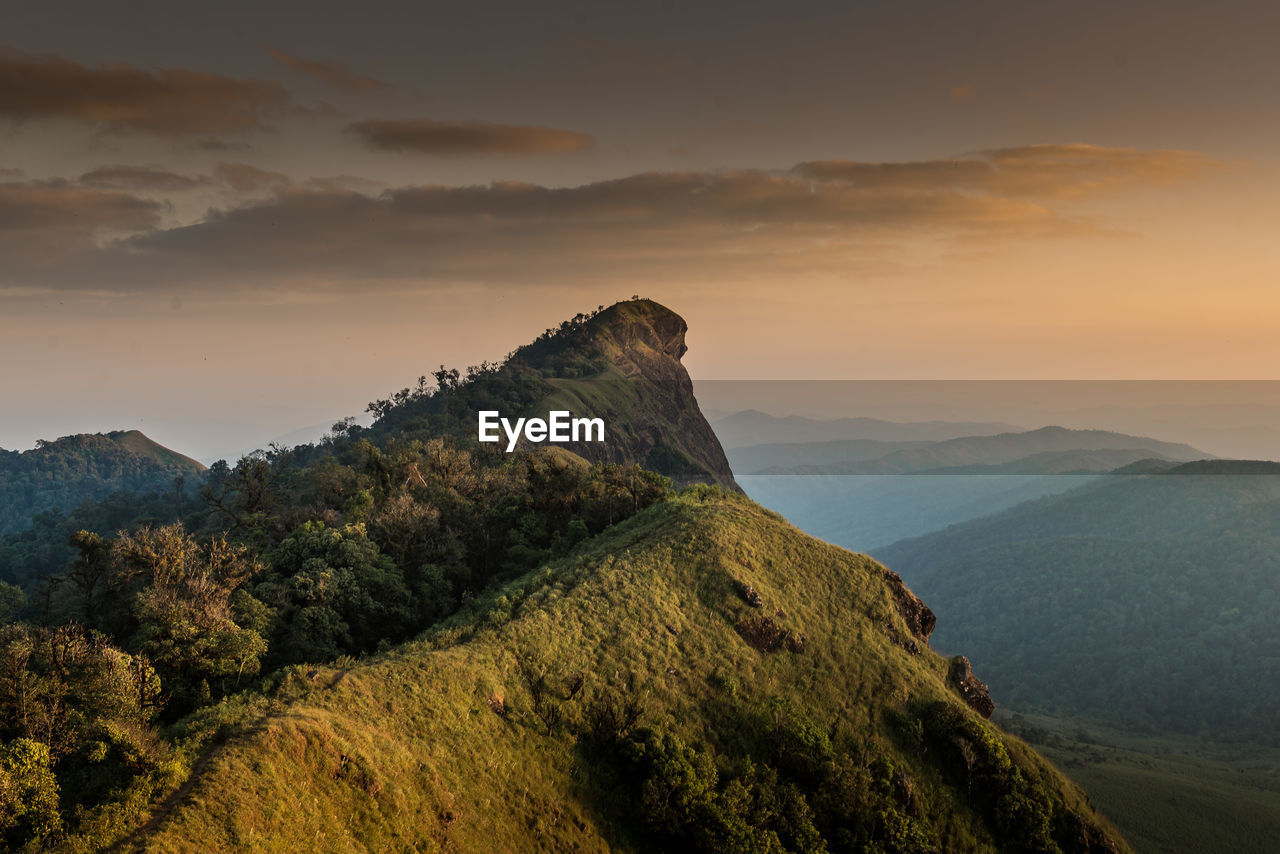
1078, 170
330, 72
171, 102
427, 136
215, 144
141, 178
48, 228
247, 179
1054, 171
717, 226
668, 224
56, 205
964, 92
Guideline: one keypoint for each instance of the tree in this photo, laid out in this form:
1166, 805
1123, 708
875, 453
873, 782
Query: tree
28, 792
185, 620
337, 593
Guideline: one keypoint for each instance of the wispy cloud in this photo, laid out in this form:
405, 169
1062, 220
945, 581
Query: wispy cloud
170, 102
1050, 171
333, 73
142, 178
244, 178
827, 215
429, 136
51, 228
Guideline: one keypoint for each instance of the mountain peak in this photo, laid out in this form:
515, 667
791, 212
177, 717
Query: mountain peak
61, 473
620, 364
643, 322
637, 325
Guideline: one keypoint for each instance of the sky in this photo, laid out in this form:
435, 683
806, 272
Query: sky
223, 222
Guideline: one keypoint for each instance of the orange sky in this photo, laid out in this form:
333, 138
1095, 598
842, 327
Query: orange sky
219, 241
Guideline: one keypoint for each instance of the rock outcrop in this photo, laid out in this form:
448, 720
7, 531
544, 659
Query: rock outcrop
970, 688
918, 616
638, 386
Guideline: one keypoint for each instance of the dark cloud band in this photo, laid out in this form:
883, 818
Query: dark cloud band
330, 72
825, 215
427, 136
169, 102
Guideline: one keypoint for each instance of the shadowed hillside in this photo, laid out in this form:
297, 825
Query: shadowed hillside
1147, 601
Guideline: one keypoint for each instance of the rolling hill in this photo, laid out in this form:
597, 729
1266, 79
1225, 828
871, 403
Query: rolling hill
868, 512
803, 714
400, 639
61, 474
1144, 601
759, 459
753, 427
1043, 451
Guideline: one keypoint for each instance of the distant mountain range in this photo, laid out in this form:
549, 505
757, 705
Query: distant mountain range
1048, 450
60, 474
785, 456
752, 427
867, 512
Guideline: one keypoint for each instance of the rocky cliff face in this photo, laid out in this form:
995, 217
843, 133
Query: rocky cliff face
621, 365
636, 383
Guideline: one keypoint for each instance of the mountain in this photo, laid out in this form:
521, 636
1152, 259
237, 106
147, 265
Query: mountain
1227, 467
868, 512
401, 638
752, 427
1098, 461
621, 364
1146, 602
61, 474
757, 459
703, 677
963, 454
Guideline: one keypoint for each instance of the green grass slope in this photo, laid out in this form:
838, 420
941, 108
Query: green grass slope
140, 445
507, 728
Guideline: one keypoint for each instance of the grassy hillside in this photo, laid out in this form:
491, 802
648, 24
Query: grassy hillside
138, 444
59, 475
812, 722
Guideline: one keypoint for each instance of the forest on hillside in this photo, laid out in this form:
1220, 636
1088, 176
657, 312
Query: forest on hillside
61, 475
1147, 602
